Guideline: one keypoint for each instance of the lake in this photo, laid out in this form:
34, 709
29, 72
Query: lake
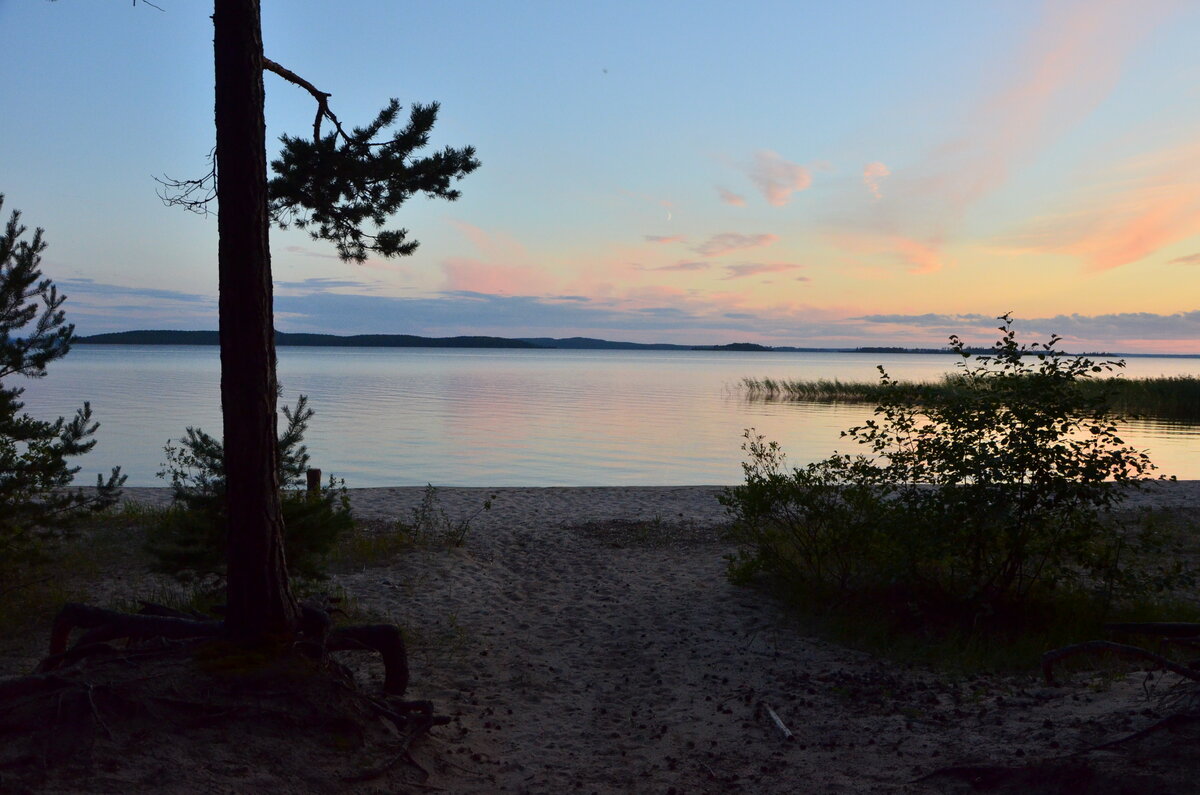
459, 417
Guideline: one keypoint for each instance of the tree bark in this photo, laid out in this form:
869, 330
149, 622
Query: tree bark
260, 602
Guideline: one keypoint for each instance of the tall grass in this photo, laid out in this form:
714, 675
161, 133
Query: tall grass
1169, 397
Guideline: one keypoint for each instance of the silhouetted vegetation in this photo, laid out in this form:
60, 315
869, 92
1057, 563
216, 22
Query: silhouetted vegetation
976, 508
35, 503
188, 541
1172, 397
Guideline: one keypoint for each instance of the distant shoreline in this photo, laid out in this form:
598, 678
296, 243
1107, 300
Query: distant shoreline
289, 339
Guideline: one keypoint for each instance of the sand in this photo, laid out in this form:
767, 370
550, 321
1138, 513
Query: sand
586, 639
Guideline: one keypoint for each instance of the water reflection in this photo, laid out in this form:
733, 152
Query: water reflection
489, 418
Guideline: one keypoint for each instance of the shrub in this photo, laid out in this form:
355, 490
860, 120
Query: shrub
970, 500
189, 540
34, 471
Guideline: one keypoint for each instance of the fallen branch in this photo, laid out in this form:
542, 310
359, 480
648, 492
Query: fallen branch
1050, 658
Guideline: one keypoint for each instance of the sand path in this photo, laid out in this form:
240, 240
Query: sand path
586, 640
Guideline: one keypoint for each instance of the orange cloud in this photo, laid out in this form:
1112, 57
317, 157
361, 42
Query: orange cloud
777, 178
1153, 202
921, 256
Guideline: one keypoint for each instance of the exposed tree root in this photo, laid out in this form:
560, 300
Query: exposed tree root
1050, 658
1143, 761
156, 621
180, 696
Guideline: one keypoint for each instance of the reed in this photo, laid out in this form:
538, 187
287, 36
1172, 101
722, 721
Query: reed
1169, 397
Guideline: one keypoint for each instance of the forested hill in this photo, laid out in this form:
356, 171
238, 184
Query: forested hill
313, 340
165, 337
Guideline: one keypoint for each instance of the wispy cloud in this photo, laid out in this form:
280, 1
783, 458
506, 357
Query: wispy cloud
873, 175
320, 285
678, 266
726, 242
1190, 259
729, 197
776, 178
745, 269
79, 289
1042, 90
304, 251
665, 238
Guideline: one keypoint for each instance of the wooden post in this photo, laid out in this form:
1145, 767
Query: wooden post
314, 480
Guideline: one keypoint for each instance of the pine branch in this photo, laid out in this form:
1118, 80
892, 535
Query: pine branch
322, 97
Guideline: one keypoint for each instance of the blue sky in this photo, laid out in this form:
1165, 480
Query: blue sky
788, 173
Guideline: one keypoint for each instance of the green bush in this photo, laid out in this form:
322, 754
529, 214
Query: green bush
967, 502
188, 541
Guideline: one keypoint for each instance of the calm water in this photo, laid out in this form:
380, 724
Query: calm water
395, 417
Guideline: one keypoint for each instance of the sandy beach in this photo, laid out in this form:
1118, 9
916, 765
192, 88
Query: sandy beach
586, 639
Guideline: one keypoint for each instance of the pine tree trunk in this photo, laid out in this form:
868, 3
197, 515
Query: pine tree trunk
260, 602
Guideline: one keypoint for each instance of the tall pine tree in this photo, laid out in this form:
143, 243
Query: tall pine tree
332, 185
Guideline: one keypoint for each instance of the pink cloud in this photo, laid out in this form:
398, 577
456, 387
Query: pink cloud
665, 238
726, 242
500, 271
494, 246
482, 277
756, 268
729, 197
873, 174
777, 179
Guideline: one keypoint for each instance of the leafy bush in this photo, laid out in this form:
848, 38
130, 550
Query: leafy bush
34, 471
189, 541
969, 501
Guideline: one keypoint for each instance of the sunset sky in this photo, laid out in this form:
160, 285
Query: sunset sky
790, 173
